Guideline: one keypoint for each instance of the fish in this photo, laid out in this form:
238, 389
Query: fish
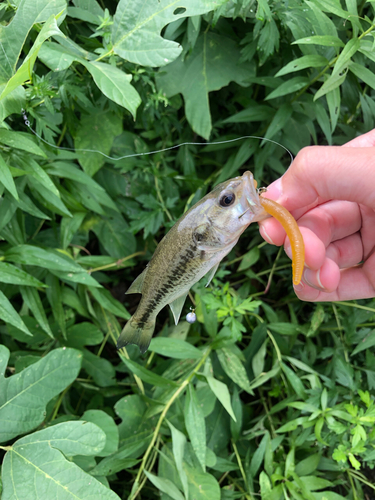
192, 248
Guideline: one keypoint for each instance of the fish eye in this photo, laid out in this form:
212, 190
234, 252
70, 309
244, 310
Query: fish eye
227, 200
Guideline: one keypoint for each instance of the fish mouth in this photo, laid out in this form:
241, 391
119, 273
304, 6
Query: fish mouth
251, 201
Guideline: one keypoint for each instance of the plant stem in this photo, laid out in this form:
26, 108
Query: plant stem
179, 391
117, 263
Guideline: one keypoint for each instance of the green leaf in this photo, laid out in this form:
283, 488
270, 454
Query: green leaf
255, 113
311, 61
279, 121
212, 64
12, 103
202, 486
115, 84
166, 486
35, 256
178, 446
54, 295
284, 328
42, 455
233, 367
108, 302
115, 236
288, 87
23, 397
22, 141
100, 369
249, 259
24, 72
7, 178
15, 276
326, 40
82, 334
96, 132
367, 342
13, 35
10, 315
348, 51
308, 465
147, 375
174, 348
323, 120
363, 73
330, 84
259, 453
137, 26
221, 391
55, 56
32, 300
195, 425
294, 381
108, 426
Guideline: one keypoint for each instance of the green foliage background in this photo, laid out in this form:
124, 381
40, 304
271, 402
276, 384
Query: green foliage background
264, 397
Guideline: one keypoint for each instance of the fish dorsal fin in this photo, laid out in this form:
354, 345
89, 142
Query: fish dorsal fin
211, 273
137, 285
176, 307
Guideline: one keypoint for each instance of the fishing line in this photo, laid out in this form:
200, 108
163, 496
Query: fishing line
28, 125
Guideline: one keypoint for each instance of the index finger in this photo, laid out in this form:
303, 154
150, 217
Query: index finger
322, 173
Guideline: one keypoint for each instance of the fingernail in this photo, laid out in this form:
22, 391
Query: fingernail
265, 235
274, 190
312, 279
299, 287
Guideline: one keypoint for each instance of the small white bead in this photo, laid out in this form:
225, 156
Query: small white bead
191, 317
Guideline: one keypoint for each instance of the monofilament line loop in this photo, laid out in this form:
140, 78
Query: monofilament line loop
27, 123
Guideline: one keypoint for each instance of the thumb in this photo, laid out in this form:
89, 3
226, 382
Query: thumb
322, 173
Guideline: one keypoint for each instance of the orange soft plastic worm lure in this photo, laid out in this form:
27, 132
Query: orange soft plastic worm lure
294, 234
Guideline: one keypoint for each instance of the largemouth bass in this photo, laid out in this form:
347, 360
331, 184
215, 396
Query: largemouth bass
193, 247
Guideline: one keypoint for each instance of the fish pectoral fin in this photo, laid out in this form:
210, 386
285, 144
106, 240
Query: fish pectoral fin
137, 285
211, 273
176, 307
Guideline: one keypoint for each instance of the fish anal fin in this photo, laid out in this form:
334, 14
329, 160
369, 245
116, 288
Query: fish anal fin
137, 285
176, 307
211, 273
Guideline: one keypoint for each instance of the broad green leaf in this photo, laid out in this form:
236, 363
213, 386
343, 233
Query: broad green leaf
23, 397
131, 410
36, 256
24, 72
10, 315
114, 234
81, 277
48, 199
96, 132
284, 328
312, 61
82, 334
84, 15
211, 66
29, 207
15, 276
55, 56
137, 26
37, 463
202, 486
174, 348
100, 369
147, 375
326, 40
363, 73
234, 368
32, 300
288, 87
308, 465
7, 178
166, 486
115, 84
347, 52
178, 446
313, 483
334, 6
12, 103
113, 464
195, 425
13, 35
249, 259
222, 393
20, 140
108, 426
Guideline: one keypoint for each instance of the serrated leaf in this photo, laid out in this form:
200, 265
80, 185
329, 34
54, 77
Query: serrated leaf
37, 463
174, 348
23, 397
137, 26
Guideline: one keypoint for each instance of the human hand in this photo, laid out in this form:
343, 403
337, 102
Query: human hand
330, 191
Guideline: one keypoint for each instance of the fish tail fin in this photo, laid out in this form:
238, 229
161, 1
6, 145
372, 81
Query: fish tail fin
136, 333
